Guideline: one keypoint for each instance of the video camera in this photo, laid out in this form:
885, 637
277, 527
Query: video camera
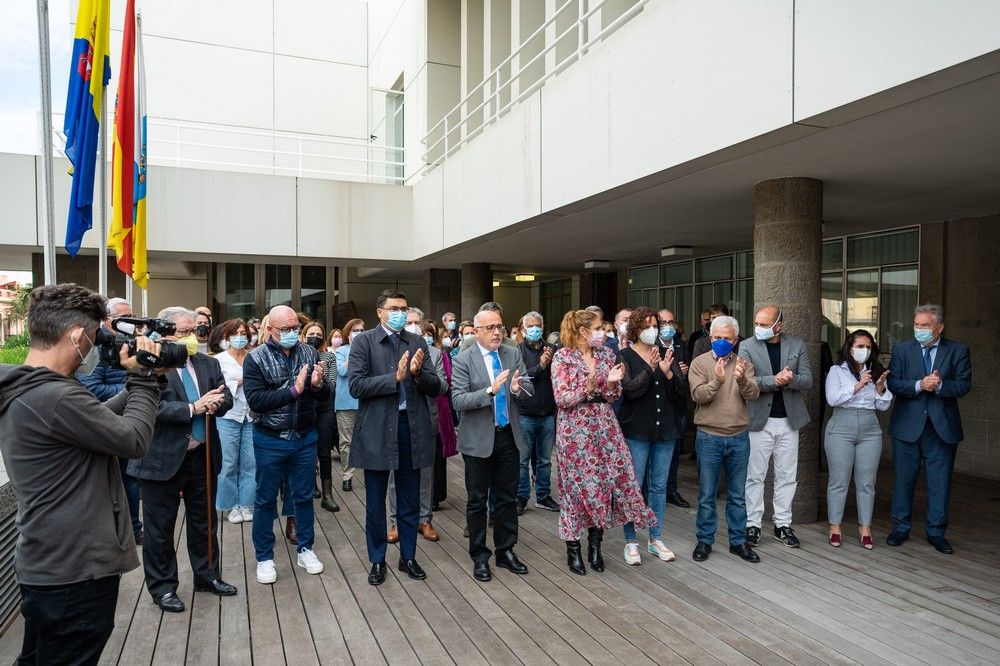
127, 329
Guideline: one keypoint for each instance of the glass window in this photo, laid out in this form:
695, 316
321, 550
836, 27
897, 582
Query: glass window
744, 265
832, 306
833, 255
862, 301
676, 273
704, 296
314, 293
644, 278
277, 285
240, 302
683, 297
881, 249
714, 268
555, 300
898, 298
742, 307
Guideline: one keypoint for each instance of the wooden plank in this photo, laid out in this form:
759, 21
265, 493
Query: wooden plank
11, 641
172, 639
234, 618
265, 632
130, 594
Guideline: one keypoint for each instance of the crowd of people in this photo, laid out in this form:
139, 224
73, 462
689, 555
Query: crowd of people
260, 409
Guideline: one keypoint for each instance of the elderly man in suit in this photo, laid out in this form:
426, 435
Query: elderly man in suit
485, 388
176, 463
391, 375
783, 374
927, 375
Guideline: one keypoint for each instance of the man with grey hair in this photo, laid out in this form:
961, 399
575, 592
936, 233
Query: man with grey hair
489, 306
721, 384
450, 322
927, 375
537, 415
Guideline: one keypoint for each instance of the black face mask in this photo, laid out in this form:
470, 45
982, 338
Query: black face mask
314, 341
202, 330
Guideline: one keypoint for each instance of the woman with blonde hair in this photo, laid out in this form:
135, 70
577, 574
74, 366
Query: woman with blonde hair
597, 486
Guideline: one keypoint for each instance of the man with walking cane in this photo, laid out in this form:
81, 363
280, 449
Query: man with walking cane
180, 459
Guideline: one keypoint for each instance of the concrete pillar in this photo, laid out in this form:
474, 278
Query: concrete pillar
472, 48
477, 288
788, 260
442, 292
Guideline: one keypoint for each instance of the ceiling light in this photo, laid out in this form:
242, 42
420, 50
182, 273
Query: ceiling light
677, 251
496, 283
597, 263
524, 277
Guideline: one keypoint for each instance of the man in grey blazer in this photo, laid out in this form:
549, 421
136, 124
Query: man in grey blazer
485, 389
783, 374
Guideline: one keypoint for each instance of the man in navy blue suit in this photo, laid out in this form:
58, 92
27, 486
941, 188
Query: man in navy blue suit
927, 375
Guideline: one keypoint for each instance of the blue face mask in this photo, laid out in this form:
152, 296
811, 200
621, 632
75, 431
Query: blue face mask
429, 340
396, 320
668, 332
289, 339
923, 335
722, 347
533, 333
238, 341
451, 325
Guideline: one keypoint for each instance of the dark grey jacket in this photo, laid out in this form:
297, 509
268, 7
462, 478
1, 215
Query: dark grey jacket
372, 374
268, 378
60, 445
794, 356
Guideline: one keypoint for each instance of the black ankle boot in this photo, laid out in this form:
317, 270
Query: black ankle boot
328, 502
595, 536
574, 559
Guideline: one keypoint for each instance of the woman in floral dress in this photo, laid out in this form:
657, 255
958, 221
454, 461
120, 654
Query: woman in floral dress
597, 486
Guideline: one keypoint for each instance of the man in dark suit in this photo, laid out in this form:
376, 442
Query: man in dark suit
484, 391
669, 338
391, 375
176, 463
927, 375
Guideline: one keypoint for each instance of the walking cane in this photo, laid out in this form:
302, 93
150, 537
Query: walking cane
208, 486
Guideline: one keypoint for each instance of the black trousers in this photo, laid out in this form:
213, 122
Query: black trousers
326, 428
498, 473
67, 624
160, 502
439, 488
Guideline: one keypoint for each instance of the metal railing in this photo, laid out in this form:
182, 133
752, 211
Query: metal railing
212, 146
440, 141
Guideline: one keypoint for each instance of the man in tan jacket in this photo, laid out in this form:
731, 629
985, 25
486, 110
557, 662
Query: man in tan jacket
721, 384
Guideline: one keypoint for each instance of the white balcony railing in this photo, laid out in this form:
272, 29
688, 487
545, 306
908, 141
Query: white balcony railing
524, 71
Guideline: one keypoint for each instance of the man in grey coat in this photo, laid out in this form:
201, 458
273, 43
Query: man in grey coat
391, 374
485, 389
783, 373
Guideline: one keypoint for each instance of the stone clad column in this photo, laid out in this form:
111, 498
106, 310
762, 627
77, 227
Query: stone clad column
442, 292
788, 262
477, 288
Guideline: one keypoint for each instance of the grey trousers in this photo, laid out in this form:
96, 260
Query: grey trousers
426, 490
853, 443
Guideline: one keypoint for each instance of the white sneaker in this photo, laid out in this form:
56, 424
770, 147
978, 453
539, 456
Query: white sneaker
247, 513
266, 573
236, 516
309, 562
658, 548
632, 556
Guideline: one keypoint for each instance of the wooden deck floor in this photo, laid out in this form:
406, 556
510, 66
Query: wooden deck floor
808, 606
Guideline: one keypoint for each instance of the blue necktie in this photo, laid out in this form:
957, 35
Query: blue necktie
501, 398
928, 366
198, 423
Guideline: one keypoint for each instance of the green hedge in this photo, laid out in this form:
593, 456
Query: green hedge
13, 355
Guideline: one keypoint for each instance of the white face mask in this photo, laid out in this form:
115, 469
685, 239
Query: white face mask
446, 342
90, 361
648, 336
623, 327
860, 354
413, 328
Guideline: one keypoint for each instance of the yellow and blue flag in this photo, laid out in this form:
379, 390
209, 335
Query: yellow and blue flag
140, 269
90, 72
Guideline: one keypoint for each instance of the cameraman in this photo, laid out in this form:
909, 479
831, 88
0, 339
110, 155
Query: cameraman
59, 444
105, 382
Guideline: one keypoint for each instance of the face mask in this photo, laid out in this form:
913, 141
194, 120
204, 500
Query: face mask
623, 327
190, 342
413, 328
351, 337
202, 330
154, 336
446, 343
288, 339
451, 325
88, 362
668, 332
648, 336
722, 347
533, 333
610, 335
314, 341
596, 338
396, 320
238, 341
469, 336
253, 339
860, 354
923, 335
336, 342
429, 340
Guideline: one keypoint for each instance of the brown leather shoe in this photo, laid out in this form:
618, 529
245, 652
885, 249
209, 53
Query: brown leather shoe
290, 530
393, 535
428, 532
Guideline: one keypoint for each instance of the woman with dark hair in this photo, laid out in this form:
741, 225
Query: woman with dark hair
344, 403
856, 389
597, 487
237, 485
314, 335
447, 444
655, 401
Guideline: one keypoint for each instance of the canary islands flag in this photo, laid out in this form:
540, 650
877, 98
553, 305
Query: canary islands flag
123, 172
140, 270
89, 73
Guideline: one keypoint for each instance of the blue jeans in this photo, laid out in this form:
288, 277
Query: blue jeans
539, 435
939, 461
132, 494
714, 453
237, 485
654, 457
275, 458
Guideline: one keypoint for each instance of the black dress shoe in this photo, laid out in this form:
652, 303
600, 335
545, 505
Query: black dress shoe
481, 572
745, 552
377, 574
169, 603
676, 499
412, 569
346, 486
508, 560
701, 551
897, 538
218, 587
940, 544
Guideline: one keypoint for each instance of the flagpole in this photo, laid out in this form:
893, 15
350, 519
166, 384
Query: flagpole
102, 172
49, 227
128, 289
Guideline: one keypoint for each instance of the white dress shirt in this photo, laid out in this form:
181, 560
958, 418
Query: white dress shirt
488, 360
840, 391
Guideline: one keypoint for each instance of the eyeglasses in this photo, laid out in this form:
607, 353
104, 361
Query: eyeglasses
396, 308
183, 332
492, 328
287, 329
357, 330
